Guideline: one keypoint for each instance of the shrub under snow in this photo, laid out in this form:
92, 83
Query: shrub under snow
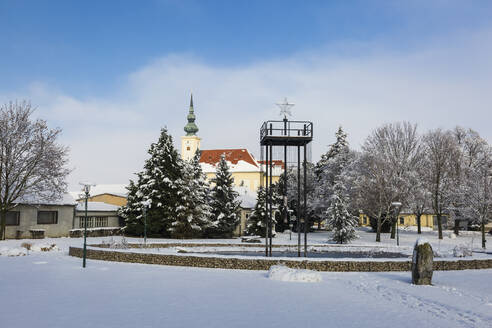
283, 273
462, 251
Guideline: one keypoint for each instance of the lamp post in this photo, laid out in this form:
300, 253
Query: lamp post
144, 210
86, 188
397, 206
146, 204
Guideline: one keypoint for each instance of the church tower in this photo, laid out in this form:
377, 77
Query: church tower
190, 143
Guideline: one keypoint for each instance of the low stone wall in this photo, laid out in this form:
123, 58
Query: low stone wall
265, 264
95, 232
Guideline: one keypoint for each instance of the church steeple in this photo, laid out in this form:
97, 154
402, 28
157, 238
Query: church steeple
190, 128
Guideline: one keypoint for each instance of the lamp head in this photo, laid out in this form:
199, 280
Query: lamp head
396, 204
86, 186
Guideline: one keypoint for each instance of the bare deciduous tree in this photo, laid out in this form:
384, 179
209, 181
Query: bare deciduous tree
393, 153
477, 200
32, 163
440, 151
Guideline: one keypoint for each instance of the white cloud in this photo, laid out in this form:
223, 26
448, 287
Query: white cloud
440, 85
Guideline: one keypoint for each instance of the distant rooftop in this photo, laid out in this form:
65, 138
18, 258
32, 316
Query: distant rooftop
64, 199
100, 189
97, 207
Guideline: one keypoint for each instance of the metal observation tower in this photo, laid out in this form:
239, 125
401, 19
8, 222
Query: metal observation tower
286, 134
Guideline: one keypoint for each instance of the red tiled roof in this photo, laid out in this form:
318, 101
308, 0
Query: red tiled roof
212, 156
275, 163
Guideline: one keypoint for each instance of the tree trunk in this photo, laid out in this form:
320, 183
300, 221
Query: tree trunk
419, 223
439, 225
456, 227
3, 217
482, 226
378, 230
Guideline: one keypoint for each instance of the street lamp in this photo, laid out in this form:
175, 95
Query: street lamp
86, 188
397, 207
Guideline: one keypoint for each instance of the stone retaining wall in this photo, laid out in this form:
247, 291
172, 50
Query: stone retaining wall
265, 264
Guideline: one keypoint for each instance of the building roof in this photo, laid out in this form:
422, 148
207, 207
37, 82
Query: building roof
212, 156
97, 207
239, 160
191, 128
64, 199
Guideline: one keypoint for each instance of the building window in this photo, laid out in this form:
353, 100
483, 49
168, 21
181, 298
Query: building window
187, 148
364, 220
402, 220
94, 222
47, 217
13, 218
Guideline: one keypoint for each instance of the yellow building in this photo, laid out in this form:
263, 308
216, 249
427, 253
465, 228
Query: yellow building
404, 220
114, 194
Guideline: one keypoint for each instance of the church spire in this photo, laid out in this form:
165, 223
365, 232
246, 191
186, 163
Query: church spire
191, 129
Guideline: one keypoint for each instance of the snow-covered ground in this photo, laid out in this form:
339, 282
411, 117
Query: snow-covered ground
51, 289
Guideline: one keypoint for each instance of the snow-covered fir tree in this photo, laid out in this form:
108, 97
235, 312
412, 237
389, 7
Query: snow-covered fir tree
256, 221
161, 183
225, 206
340, 221
193, 214
133, 210
331, 164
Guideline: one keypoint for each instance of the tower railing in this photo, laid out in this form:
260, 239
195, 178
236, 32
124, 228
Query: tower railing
292, 132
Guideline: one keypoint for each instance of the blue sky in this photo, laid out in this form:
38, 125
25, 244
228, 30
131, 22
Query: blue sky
85, 47
111, 73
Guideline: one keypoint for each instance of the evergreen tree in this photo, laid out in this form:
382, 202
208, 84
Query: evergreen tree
132, 209
193, 214
225, 207
278, 201
340, 221
256, 222
331, 163
161, 182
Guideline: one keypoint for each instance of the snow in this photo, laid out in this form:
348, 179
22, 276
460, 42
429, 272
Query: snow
55, 291
241, 166
283, 273
462, 251
97, 207
64, 199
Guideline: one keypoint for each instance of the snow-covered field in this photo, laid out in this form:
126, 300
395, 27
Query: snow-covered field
51, 289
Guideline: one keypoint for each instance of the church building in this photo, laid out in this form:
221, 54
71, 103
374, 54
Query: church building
245, 169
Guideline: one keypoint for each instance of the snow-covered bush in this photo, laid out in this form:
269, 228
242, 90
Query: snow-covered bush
452, 235
283, 273
115, 244
462, 251
15, 251
44, 247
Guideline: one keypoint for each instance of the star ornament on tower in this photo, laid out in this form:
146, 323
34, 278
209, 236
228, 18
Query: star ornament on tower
285, 108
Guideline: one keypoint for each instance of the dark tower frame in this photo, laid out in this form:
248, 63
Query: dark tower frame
286, 134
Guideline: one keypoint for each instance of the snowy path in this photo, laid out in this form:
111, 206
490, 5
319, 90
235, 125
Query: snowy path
52, 290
